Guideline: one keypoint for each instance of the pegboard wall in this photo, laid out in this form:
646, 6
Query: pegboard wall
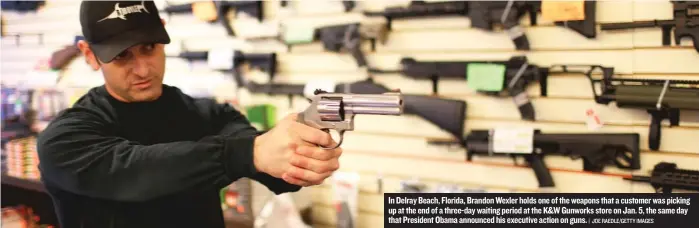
396, 148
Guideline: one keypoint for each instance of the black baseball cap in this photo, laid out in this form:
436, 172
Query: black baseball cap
111, 27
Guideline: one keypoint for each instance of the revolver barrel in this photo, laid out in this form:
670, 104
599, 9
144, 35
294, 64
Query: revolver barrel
334, 107
336, 111
372, 104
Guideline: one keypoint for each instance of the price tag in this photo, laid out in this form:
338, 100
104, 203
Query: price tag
563, 10
298, 34
204, 10
220, 59
485, 76
311, 86
593, 121
513, 140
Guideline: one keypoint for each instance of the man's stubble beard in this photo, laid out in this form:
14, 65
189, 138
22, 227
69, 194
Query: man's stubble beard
152, 93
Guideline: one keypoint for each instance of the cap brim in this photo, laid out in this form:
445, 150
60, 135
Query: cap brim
107, 50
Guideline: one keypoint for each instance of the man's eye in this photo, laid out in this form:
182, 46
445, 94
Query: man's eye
122, 55
149, 47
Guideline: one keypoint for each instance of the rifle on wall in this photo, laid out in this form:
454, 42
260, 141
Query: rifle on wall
663, 99
494, 78
485, 14
596, 150
346, 37
666, 176
252, 8
685, 22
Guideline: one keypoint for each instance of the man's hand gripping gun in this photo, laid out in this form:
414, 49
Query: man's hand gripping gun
337, 110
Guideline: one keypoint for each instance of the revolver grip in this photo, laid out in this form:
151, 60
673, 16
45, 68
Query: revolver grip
542, 172
301, 119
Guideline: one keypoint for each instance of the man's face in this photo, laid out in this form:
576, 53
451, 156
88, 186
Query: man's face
136, 74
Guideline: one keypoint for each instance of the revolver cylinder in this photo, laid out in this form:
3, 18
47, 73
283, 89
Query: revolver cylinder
336, 111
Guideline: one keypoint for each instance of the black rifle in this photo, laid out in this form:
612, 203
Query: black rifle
663, 99
596, 151
349, 4
252, 8
518, 75
485, 14
685, 22
666, 176
348, 37
447, 114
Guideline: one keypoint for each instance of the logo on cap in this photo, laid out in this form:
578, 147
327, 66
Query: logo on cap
122, 12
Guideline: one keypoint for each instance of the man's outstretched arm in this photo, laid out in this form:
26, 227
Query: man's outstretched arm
78, 153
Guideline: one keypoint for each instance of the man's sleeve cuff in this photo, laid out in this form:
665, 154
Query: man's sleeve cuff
238, 153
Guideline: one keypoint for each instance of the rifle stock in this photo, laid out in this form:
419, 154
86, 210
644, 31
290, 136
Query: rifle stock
596, 150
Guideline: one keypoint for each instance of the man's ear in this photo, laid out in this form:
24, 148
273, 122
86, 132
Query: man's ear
163, 21
90, 57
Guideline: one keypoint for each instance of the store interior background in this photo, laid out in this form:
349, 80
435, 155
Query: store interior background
395, 149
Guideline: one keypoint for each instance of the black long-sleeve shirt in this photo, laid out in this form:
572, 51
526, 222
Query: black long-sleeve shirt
151, 164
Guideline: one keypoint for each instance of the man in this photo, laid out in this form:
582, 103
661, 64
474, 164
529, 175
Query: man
137, 153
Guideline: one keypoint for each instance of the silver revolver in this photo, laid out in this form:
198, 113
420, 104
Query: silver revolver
336, 110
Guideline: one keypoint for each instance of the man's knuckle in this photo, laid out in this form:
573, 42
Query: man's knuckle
336, 165
338, 152
318, 178
326, 167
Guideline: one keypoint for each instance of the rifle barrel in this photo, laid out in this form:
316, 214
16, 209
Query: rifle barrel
423, 9
636, 24
194, 55
183, 8
638, 178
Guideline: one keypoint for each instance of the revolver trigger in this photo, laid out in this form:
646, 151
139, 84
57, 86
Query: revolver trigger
342, 137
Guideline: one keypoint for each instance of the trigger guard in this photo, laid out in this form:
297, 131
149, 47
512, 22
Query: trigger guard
342, 133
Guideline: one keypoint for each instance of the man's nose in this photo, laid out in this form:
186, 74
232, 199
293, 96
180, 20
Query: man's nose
140, 66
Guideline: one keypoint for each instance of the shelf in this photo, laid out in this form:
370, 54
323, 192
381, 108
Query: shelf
28, 184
